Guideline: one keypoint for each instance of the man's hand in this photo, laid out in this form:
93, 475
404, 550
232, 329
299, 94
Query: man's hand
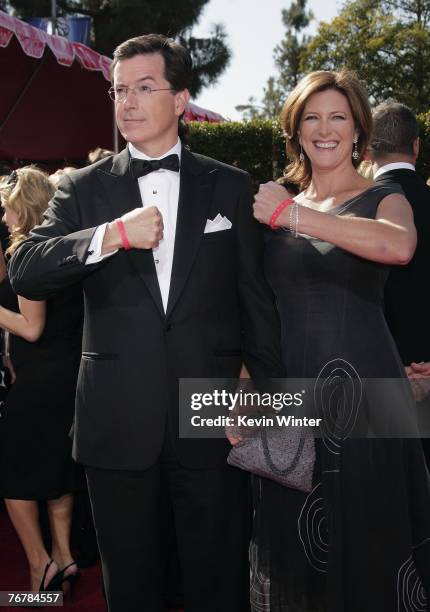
267, 199
416, 370
419, 377
143, 228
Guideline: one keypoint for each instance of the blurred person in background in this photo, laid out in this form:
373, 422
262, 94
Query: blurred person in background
98, 154
35, 448
56, 176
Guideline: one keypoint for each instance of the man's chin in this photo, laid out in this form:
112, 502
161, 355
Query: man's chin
133, 138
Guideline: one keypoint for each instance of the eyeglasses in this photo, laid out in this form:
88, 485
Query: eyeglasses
119, 94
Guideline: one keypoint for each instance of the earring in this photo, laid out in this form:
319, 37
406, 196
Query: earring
355, 154
301, 156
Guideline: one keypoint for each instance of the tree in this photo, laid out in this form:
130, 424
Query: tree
413, 43
117, 20
273, 98
251, 110
387, 42
288, 53
287, 56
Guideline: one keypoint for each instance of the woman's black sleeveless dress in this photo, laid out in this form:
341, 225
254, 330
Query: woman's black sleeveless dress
360, 541
35, 447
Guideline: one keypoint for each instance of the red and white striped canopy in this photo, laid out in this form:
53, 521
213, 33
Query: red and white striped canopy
54, 101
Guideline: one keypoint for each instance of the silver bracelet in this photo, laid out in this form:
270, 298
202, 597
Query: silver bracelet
296, 228
293, 220
290, 218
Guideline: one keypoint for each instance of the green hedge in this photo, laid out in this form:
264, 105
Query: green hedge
255, 146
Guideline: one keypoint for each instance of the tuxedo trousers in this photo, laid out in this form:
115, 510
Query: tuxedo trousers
212, 520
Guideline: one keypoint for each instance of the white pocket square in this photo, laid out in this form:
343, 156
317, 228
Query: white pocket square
217, 224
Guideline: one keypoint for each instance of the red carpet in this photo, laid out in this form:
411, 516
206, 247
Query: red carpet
87, 595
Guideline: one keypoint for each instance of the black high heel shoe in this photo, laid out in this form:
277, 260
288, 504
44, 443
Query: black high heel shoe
42, 587
63, 581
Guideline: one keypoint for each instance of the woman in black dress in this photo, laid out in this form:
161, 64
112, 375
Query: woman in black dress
35, 448
360, 541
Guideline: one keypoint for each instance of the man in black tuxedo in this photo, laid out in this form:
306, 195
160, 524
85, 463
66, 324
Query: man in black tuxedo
394, 149
395, 146
172, 269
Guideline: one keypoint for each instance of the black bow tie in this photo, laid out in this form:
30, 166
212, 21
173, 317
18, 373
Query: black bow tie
141, 167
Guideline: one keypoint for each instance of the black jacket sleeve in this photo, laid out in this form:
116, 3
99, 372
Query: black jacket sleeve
260, 321
54, 255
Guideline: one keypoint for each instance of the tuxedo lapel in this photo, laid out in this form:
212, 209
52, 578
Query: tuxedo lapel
143, 261
194, 200
123, 195
121, 189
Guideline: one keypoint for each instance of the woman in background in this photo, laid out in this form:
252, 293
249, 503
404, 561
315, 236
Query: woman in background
35, 448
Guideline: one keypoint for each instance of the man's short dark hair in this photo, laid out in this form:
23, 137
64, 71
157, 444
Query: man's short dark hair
395, 128
177, 59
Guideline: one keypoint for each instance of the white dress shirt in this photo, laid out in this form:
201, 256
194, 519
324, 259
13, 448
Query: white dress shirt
393, 166
159, 188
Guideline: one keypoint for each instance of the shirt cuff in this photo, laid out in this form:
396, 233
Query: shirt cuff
95, 247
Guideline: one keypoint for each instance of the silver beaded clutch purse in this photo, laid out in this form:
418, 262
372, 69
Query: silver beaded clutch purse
286, 455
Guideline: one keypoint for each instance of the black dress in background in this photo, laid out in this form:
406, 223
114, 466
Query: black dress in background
360, 541
35, 447
4, 372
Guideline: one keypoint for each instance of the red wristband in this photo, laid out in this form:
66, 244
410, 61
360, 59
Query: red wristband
277, 212
121, 229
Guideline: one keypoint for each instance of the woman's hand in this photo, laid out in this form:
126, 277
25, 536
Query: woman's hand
232, 432
231, 437
267, 199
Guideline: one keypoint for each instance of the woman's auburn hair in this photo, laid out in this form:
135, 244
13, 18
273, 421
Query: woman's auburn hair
28, 197
345, 82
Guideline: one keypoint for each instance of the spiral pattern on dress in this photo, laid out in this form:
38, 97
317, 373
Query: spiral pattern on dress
259, 584
411, 595
337, 395
312, 526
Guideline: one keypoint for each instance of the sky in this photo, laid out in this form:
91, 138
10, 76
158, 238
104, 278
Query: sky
254, 28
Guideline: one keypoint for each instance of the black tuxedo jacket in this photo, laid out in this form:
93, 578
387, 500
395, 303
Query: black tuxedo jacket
407, 298
220, 310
